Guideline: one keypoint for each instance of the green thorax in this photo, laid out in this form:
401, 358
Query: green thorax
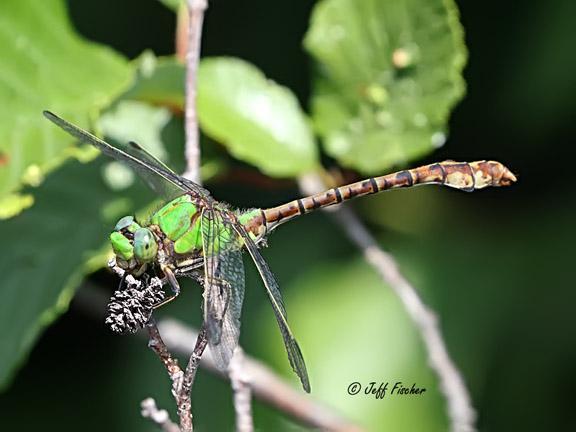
180, 221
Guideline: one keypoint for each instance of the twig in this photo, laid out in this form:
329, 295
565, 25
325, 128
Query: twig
242, 394
196, 10
175, 373
159, 417
156, 344
264, 383
181, 382
460, 411
185, 403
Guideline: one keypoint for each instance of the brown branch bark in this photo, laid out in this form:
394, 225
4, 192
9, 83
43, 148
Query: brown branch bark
263, 382
180, 392
195, 16
196, 10
185, 403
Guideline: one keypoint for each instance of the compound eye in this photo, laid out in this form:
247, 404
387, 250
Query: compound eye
145, 246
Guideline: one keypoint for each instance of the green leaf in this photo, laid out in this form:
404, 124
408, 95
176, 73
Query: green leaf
352, 328
159, 81
139, 122
46, 65
51, 247
259, 121
172, 4
133, 121
153, 127
389, 73
13, 204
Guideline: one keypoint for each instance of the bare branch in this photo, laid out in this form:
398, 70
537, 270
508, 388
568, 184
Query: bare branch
460, 411
156, 344
196, 10
159, 417
265, 384
175, 373
185, 403
240, 381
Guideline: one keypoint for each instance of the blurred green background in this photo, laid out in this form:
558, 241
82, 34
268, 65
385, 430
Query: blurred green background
495, 265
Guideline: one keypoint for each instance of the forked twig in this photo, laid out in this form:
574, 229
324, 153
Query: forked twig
175, 373
184, 380
265, 385
185, 403
461, 414
196, 9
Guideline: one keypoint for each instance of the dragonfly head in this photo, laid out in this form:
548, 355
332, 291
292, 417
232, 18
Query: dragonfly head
134, 246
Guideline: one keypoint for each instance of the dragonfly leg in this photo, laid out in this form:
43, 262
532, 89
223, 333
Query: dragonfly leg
174, 285
172, 280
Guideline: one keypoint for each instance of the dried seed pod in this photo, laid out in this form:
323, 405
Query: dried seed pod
129, 310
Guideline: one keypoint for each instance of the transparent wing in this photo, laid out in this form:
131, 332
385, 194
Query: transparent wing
157, 175
273, 291
141, 153
223, 285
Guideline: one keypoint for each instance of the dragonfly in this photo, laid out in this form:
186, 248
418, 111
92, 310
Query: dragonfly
195, 234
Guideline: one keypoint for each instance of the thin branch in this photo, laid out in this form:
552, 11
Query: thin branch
264, 383
196, 10
185, 403
181, 382
240, 381
159, 417
460, 411
175, 373
156, 344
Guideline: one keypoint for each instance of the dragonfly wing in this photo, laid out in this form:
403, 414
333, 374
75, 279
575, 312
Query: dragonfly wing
223, 285
157, 175
273, 291
141, 153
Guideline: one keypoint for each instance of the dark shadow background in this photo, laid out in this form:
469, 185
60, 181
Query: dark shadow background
503, 284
